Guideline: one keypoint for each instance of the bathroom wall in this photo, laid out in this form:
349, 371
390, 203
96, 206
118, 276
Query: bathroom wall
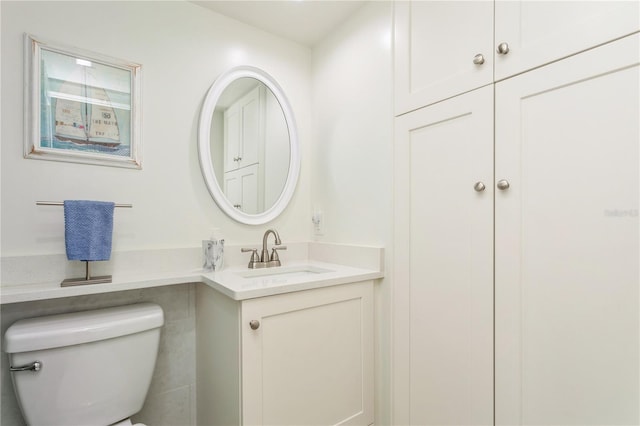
182, 48
353, 152
346, 170
171, 400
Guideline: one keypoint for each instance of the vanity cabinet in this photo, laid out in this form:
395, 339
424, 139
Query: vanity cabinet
299, 358
517, 246
443, 49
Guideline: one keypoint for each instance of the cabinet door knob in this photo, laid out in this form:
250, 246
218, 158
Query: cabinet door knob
503, 48
254, 324
478, 59
479, 186
503, 184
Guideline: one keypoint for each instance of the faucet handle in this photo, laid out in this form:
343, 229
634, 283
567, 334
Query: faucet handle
274, 253
255, 259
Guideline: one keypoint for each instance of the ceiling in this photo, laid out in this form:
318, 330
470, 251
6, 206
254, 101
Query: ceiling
303, 21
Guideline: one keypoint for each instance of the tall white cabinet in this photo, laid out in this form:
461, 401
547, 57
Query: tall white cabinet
517, 278
567, 241
444, 263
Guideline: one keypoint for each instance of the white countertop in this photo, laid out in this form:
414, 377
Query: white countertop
366, 263
231, 283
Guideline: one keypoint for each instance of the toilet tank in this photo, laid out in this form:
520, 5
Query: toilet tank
96, 366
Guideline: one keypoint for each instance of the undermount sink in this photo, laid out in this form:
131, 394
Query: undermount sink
288, 271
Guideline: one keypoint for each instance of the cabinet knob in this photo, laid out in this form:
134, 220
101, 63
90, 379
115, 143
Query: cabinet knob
479, 186
478, 59
254, 324
503, 184
503, 48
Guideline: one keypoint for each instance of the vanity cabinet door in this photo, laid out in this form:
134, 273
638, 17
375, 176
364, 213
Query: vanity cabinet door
567, 276
443, 281
307, 357
539, 32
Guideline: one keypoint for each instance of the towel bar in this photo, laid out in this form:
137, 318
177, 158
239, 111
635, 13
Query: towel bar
88, 279
60, 203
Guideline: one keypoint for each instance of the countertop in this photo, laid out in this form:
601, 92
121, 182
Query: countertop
338, 264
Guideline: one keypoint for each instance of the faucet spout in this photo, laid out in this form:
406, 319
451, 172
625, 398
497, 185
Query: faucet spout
265, 253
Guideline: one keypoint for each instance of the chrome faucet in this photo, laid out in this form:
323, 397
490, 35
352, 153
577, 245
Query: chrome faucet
265, 260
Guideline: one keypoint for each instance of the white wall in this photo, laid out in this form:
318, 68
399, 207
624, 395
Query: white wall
353, 152
182, 48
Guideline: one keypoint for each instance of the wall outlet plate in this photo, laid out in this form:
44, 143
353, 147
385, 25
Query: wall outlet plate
318, 222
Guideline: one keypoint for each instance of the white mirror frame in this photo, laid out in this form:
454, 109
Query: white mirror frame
204, 146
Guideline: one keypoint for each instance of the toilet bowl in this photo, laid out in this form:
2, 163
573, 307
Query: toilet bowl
88, 368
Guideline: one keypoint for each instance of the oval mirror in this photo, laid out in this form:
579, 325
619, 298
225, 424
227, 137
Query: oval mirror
248, 146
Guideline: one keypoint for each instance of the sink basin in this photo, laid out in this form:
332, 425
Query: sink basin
284, 271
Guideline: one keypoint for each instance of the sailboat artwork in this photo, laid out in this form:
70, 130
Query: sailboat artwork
84, 106
87, 123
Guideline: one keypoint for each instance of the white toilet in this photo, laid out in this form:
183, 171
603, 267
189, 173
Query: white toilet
89, 368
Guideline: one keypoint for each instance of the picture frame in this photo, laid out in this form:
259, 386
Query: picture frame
81, 106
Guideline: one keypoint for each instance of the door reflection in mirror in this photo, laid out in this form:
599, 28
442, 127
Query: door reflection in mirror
250, 145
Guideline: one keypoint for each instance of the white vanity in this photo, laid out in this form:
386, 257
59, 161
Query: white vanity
298, 341
297, 358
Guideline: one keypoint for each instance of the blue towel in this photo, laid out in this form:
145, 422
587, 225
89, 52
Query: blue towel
88, 228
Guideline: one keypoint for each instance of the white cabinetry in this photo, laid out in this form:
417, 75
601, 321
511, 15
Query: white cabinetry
539, 32
437, 44
567, 241
243, 122
243, 189
566, 238
444, 263
244, 147
307, 359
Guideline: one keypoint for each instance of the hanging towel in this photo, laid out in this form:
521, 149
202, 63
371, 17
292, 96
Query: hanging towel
88, 228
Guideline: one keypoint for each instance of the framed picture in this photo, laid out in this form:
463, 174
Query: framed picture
80, 106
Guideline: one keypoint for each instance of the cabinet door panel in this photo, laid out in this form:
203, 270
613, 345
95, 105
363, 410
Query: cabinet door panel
539, 32
241, 189
232, 137
311, 359
435, 44
567, 241
252, 127
443, 295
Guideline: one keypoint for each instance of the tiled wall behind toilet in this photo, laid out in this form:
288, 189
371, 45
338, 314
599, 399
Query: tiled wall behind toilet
171, 399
